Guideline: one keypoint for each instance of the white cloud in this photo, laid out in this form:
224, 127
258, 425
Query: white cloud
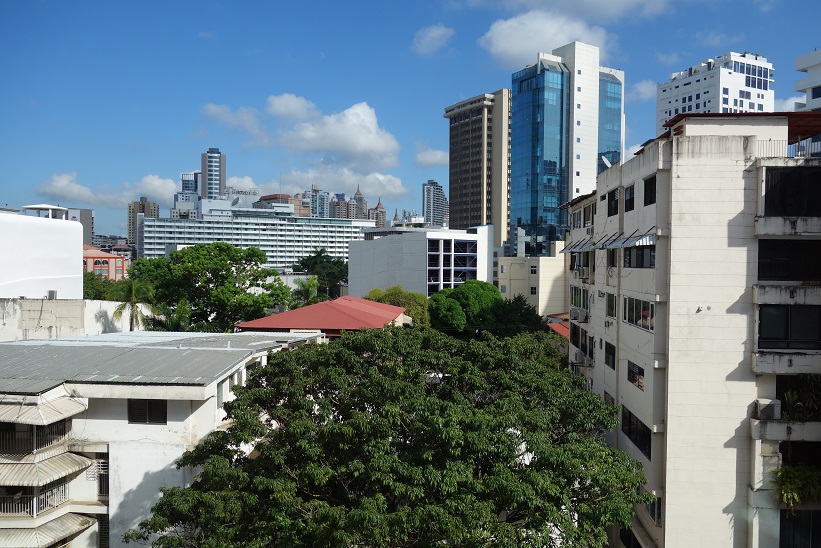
765, 6
64, 187
517, 40
244, 119
631, 151
717, 39
788, 104
241, 183
642, 91
601, 10
667, 58
351, 138
290, 106
431, 39
430, 157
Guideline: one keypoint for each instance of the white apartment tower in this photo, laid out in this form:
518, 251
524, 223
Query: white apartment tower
732, 82
810, 85
479, 180
434, 204
212, 179
695, 295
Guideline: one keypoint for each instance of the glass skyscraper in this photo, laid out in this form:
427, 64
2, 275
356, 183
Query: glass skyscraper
566, 119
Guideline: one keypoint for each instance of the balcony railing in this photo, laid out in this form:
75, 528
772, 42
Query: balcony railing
32, 505
34, 439
782, 149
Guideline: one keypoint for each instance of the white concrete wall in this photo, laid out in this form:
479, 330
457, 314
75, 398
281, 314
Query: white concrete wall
38, 255
550, 281
42, 319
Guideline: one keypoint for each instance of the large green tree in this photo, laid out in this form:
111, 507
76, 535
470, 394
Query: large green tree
477, 301
329, 271
415, 304
94, 287
221, 283
405, 437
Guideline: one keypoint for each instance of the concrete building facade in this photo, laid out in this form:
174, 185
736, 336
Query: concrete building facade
83, 455
150, 210
434, 204
732, 82
694, 307
479, 160
212, 174
423, 260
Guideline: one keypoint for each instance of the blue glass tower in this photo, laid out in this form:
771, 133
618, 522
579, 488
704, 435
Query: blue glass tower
566, 120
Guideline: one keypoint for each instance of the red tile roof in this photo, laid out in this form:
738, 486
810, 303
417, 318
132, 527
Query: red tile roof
344, 313
562, 328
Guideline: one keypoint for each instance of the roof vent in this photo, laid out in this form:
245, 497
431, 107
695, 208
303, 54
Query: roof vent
52, 294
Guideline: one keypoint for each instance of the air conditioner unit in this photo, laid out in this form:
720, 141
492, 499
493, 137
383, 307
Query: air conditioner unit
588, 362
589, 230
52, 294
574, 313
579, 357
582, 315
584, 272
768, 410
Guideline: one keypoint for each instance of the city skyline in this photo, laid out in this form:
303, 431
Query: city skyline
95, 117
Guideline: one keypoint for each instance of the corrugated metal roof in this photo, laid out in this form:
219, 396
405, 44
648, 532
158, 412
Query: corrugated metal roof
37, 474
41, 414
46, 534
33, 367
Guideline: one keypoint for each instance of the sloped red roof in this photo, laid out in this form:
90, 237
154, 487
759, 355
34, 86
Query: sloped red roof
562, 328
344, 313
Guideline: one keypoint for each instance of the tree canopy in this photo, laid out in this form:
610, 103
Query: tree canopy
131, 293
95, 287
415, 304
221, 284
475, 298
405, 437
329, 271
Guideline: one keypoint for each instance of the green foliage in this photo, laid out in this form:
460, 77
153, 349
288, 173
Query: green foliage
329, 271
804, 403
477, 299
94, 287
305, 293
796, 483
167, 318
513, 316
406, 437
445, 313
415, 304
221, 283
131, 293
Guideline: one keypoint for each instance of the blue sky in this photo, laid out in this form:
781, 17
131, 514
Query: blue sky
103, 102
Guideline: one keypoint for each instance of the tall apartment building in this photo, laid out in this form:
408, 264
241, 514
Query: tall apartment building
84, 454
479, 179
567, 125
434, 204
320, 201
151, 210
732, 82
212, 174
696, 307
86, 218
378, 214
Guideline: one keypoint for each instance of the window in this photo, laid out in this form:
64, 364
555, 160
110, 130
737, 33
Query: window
654, 510
629, 194
637, 432
532, 290
578, 173
800, 528
611, 306
613, 203
612, 257
784, 326
792, 191
533, 269
578, 88
650, 191
725, 91
147, 412
610, 355
578, 105
640, 257
579, 297
503, 268
503, 289
789, 260
608, 398
635, 375
640, 313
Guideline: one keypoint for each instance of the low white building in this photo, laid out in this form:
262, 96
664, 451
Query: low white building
91, 428
542, 281
695, 306
45, 256
423, 260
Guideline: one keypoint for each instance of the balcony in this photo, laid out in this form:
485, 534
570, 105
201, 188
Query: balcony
787, 294
30, 503
786, 362
36, 438
777, 430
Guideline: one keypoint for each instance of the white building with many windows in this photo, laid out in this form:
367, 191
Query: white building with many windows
424, 260
732, 82
695, 306
91, 428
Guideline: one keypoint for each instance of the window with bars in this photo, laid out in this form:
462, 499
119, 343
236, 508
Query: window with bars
629, 198
147, 411
637, 432
613, 203
610, 355
650, 191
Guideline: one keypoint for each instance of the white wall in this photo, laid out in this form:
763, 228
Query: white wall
40, 254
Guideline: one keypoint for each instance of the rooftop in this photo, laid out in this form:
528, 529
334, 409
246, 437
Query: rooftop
140, 357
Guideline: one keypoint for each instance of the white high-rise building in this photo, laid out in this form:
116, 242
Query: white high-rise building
810, 85
696, 307
434, 204
212, 178
732, 82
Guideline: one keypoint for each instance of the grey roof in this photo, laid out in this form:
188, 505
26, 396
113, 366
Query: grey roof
140, 357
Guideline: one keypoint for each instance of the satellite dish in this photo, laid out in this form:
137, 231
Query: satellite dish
606, 162
236, 200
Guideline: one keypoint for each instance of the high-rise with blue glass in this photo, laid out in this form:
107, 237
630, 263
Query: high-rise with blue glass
567, 125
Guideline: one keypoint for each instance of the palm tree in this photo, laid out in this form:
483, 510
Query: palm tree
171, 319
131, 293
